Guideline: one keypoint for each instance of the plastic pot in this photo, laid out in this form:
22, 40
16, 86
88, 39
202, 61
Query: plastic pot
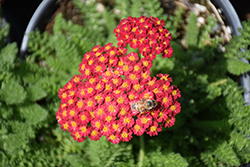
39, 20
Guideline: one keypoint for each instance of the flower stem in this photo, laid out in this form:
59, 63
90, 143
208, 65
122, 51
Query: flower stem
142, 151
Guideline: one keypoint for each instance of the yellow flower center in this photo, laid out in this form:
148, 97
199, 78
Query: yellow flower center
73, 123
145, 63
116, 72
72, 93
120, 63
108, 87
124, 135
136, 68
108, 118
64, 113
126, 120
173, 107
108, 73
137, 127
125, 68
134, 29
111, 61
102, 58
92, 113
112, 137
82, 92
98, 124
76, 79
134, 40
137, 87
69, 86
98, 86
70, 101
104, 80
112, 53
131, 96
153, 128
94, 133
124, 84
150, 83
141, 40
145, 75
82, 67
87, 56
97, 54
165, 87
156, 90
165, 100
65, 126
107, 98
168, 120
87, 71
144, 120
164, 78
83, 117
64, 95
120, 100
83, 129
91, 62
80, 104
92, 80
115, 81
123, 111
108, 47
160, 114
174, 92
117, 91
98, 68
115, 126
95, 49
111, 108
100, 111
90, 103
98, 97
132, 76
63, 105
146, 96
105, 129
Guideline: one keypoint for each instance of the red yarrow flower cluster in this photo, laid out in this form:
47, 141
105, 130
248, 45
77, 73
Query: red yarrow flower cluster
147, 34
98, 101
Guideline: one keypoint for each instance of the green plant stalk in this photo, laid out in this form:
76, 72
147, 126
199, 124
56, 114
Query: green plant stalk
142, 151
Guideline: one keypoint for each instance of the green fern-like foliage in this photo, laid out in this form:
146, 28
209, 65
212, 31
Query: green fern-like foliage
158, 158
192, 32
238, 49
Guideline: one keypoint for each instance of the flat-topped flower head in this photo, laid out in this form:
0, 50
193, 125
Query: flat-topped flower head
115, 96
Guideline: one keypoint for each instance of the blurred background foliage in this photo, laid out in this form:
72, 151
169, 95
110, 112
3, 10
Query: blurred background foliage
212, 129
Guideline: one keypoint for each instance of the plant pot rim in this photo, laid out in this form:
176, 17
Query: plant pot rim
34, 23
